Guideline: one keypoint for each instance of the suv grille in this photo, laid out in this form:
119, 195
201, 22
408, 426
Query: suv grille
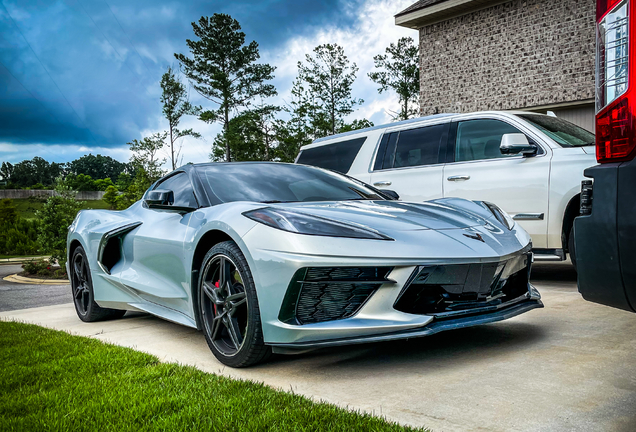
318, 294
450, 290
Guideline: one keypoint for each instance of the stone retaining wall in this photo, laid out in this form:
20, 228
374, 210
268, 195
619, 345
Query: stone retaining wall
23, 193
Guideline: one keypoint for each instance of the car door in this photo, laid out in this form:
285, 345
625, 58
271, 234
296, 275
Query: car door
410, 162
479, 171
156, 264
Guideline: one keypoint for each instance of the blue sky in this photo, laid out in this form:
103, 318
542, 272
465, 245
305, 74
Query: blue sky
80, 76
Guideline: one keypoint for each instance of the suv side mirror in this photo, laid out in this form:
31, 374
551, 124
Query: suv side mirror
516, 143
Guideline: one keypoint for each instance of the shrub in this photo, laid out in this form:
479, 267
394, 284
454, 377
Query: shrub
17, 236
56, 216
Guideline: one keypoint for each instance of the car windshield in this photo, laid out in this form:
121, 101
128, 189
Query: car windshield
566, 134
277, 182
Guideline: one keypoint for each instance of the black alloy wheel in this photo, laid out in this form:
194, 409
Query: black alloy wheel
229, 308
82, 290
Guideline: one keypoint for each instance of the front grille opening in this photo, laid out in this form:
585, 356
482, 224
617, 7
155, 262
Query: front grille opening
452, 289
319, 294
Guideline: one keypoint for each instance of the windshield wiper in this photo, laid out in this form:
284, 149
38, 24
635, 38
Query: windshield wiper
274, 201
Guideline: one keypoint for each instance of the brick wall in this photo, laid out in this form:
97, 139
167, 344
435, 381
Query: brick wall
519, 54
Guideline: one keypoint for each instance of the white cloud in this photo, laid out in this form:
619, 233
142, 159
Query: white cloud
373, 30
58, 153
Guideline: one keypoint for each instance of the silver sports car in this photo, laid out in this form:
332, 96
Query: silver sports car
270, 257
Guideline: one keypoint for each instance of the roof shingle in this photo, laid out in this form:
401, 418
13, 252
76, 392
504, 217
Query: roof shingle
421, 4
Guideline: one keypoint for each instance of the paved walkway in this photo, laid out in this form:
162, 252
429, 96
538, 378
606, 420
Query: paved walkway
568, 367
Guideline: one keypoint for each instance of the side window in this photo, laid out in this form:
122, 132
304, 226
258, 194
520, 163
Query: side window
337, 157
411, 148
480, 139
182, 188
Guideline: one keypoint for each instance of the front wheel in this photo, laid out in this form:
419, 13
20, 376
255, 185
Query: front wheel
229, 308
82, 290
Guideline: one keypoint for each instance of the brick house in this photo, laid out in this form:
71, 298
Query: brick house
535, 55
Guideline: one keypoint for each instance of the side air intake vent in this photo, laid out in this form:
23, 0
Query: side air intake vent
319, 294
109, 252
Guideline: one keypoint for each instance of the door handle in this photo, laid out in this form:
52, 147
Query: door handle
459, 178
382, 183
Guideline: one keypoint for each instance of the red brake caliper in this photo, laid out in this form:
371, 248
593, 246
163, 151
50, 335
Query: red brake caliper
216, 284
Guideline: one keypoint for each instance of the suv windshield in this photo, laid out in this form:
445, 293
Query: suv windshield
276, 182
566, 134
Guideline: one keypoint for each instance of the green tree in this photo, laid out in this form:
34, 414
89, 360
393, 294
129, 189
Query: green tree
324, 86
251, 135
36, 170
399, 70
175, 105
80, 182
56, 215
6, 171
224, 70
8, 212
357, 124
146, 154
97, 166
110, 197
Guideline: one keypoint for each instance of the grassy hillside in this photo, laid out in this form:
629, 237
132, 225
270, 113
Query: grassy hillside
27, 207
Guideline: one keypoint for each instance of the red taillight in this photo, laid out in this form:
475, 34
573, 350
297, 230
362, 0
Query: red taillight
614, 137
615, 127
603, 6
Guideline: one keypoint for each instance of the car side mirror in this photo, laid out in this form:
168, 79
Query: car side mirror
390, 193
163, 199
517, 143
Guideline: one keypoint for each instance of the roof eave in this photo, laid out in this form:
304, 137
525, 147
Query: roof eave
442, 11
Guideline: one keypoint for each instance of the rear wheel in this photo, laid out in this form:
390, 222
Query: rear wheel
229, 308
82, 289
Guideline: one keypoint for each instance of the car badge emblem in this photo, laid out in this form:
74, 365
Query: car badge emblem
475, 236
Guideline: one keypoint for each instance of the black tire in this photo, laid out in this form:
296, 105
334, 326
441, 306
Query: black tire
82, 290
229, 308
571, 249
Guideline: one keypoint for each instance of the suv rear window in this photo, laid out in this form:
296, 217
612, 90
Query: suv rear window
337, 157
413, 147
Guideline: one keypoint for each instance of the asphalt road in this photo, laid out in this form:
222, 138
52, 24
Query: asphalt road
15, 296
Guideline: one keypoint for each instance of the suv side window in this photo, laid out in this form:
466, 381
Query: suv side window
411, 148
480, 139
182, 188
337, 157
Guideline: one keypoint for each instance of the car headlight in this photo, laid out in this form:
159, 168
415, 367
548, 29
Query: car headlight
500, 215
302, 223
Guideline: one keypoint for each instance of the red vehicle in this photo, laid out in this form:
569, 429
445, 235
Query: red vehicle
605, 234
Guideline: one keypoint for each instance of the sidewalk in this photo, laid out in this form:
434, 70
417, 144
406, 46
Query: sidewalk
19, 260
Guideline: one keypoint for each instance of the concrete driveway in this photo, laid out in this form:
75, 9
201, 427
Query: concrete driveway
569, 366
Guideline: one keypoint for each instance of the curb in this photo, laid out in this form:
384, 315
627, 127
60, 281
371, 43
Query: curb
19, 260
32, 281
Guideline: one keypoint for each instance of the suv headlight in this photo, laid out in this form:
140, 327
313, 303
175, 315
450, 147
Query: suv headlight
302, 223
503, 217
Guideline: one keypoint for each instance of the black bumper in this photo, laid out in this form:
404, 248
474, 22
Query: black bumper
605, 240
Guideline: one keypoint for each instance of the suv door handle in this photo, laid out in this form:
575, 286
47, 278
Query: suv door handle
382, 183
459, 178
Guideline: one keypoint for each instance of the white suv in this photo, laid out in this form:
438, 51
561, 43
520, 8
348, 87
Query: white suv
531, 165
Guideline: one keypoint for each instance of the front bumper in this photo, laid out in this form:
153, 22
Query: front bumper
532, 301
379, 317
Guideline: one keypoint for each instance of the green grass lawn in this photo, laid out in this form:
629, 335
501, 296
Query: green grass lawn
51, 380
27, 208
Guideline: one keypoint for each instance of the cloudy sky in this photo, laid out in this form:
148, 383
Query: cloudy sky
82, 76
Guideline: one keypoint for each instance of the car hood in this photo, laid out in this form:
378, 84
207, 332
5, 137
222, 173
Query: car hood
395, 215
